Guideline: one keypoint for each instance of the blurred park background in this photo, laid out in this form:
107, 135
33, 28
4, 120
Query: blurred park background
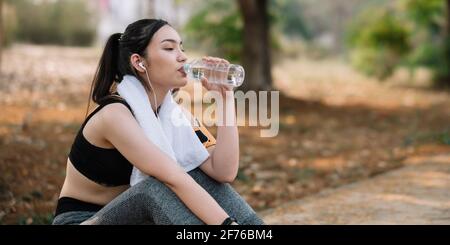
364, 85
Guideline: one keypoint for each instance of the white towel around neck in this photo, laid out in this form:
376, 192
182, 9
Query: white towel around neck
172, 133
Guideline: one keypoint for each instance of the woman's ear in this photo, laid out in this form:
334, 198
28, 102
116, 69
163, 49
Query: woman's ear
137, 63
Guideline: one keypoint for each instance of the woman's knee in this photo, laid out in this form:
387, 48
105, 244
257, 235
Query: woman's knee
151, 193
148, 186
159, 202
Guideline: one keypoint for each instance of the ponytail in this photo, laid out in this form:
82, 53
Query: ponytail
115, 60
107, 71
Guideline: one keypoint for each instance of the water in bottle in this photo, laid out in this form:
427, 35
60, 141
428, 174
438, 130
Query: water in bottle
221, 73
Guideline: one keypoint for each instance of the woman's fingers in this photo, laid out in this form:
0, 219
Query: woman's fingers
210, 59
225, 61
204, 81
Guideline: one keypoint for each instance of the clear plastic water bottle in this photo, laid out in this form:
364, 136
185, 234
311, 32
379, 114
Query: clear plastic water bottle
221, 73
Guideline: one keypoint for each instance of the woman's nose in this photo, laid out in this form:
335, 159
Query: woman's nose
182, 57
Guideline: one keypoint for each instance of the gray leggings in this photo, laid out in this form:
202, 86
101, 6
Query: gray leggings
152, 202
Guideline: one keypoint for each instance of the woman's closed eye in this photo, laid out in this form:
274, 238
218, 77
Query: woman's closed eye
171, 49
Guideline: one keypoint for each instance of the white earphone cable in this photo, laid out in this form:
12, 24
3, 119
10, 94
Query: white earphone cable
153, 92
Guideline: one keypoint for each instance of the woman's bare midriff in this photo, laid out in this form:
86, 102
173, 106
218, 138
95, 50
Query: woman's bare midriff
79, 187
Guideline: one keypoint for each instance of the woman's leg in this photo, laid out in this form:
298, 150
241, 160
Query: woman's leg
72, 217
152, 202
227, 198
148, 202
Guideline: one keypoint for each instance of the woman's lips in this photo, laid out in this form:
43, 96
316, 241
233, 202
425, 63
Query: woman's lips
181, 70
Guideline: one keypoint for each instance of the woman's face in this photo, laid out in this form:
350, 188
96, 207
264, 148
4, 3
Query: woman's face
165, 59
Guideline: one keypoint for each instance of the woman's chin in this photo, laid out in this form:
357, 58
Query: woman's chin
182, 82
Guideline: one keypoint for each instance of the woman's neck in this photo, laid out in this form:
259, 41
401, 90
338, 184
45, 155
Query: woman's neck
160, 93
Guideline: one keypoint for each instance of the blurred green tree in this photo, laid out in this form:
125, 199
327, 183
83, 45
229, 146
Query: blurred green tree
431, 19
406, 32
63, 22
217, 27
240, 32
378, 40
289, 15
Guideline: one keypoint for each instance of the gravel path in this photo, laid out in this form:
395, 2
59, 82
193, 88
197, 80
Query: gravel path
418, 193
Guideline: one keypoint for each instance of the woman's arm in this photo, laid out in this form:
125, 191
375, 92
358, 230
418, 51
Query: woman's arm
122, 130
223, 163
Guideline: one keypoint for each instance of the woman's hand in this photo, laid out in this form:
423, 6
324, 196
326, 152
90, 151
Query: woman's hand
221, 88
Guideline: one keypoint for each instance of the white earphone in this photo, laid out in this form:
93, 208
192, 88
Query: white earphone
141, 64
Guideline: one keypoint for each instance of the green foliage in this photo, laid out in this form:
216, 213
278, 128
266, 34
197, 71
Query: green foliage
64, 22
433, 47
411, 33
425, 13
288, 14
217, 29
378, 40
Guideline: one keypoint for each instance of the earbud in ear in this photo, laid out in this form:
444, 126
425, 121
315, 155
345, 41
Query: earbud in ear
141, 64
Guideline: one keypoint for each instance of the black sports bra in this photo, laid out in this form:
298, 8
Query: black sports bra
109, 167
104, 166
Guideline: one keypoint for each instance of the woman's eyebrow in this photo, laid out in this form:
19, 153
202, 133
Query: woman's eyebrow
171, 40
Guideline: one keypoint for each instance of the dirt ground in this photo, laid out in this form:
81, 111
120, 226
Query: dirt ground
336, 127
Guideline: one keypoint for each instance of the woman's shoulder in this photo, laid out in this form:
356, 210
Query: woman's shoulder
113, 108
114, 118
114, 103
115, 111
113, 98
108, 105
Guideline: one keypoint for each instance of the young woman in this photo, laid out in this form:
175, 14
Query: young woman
110, 143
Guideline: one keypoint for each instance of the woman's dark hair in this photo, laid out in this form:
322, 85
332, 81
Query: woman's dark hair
115, 60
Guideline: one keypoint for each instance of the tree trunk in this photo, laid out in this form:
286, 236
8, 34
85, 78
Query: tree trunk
256, 49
